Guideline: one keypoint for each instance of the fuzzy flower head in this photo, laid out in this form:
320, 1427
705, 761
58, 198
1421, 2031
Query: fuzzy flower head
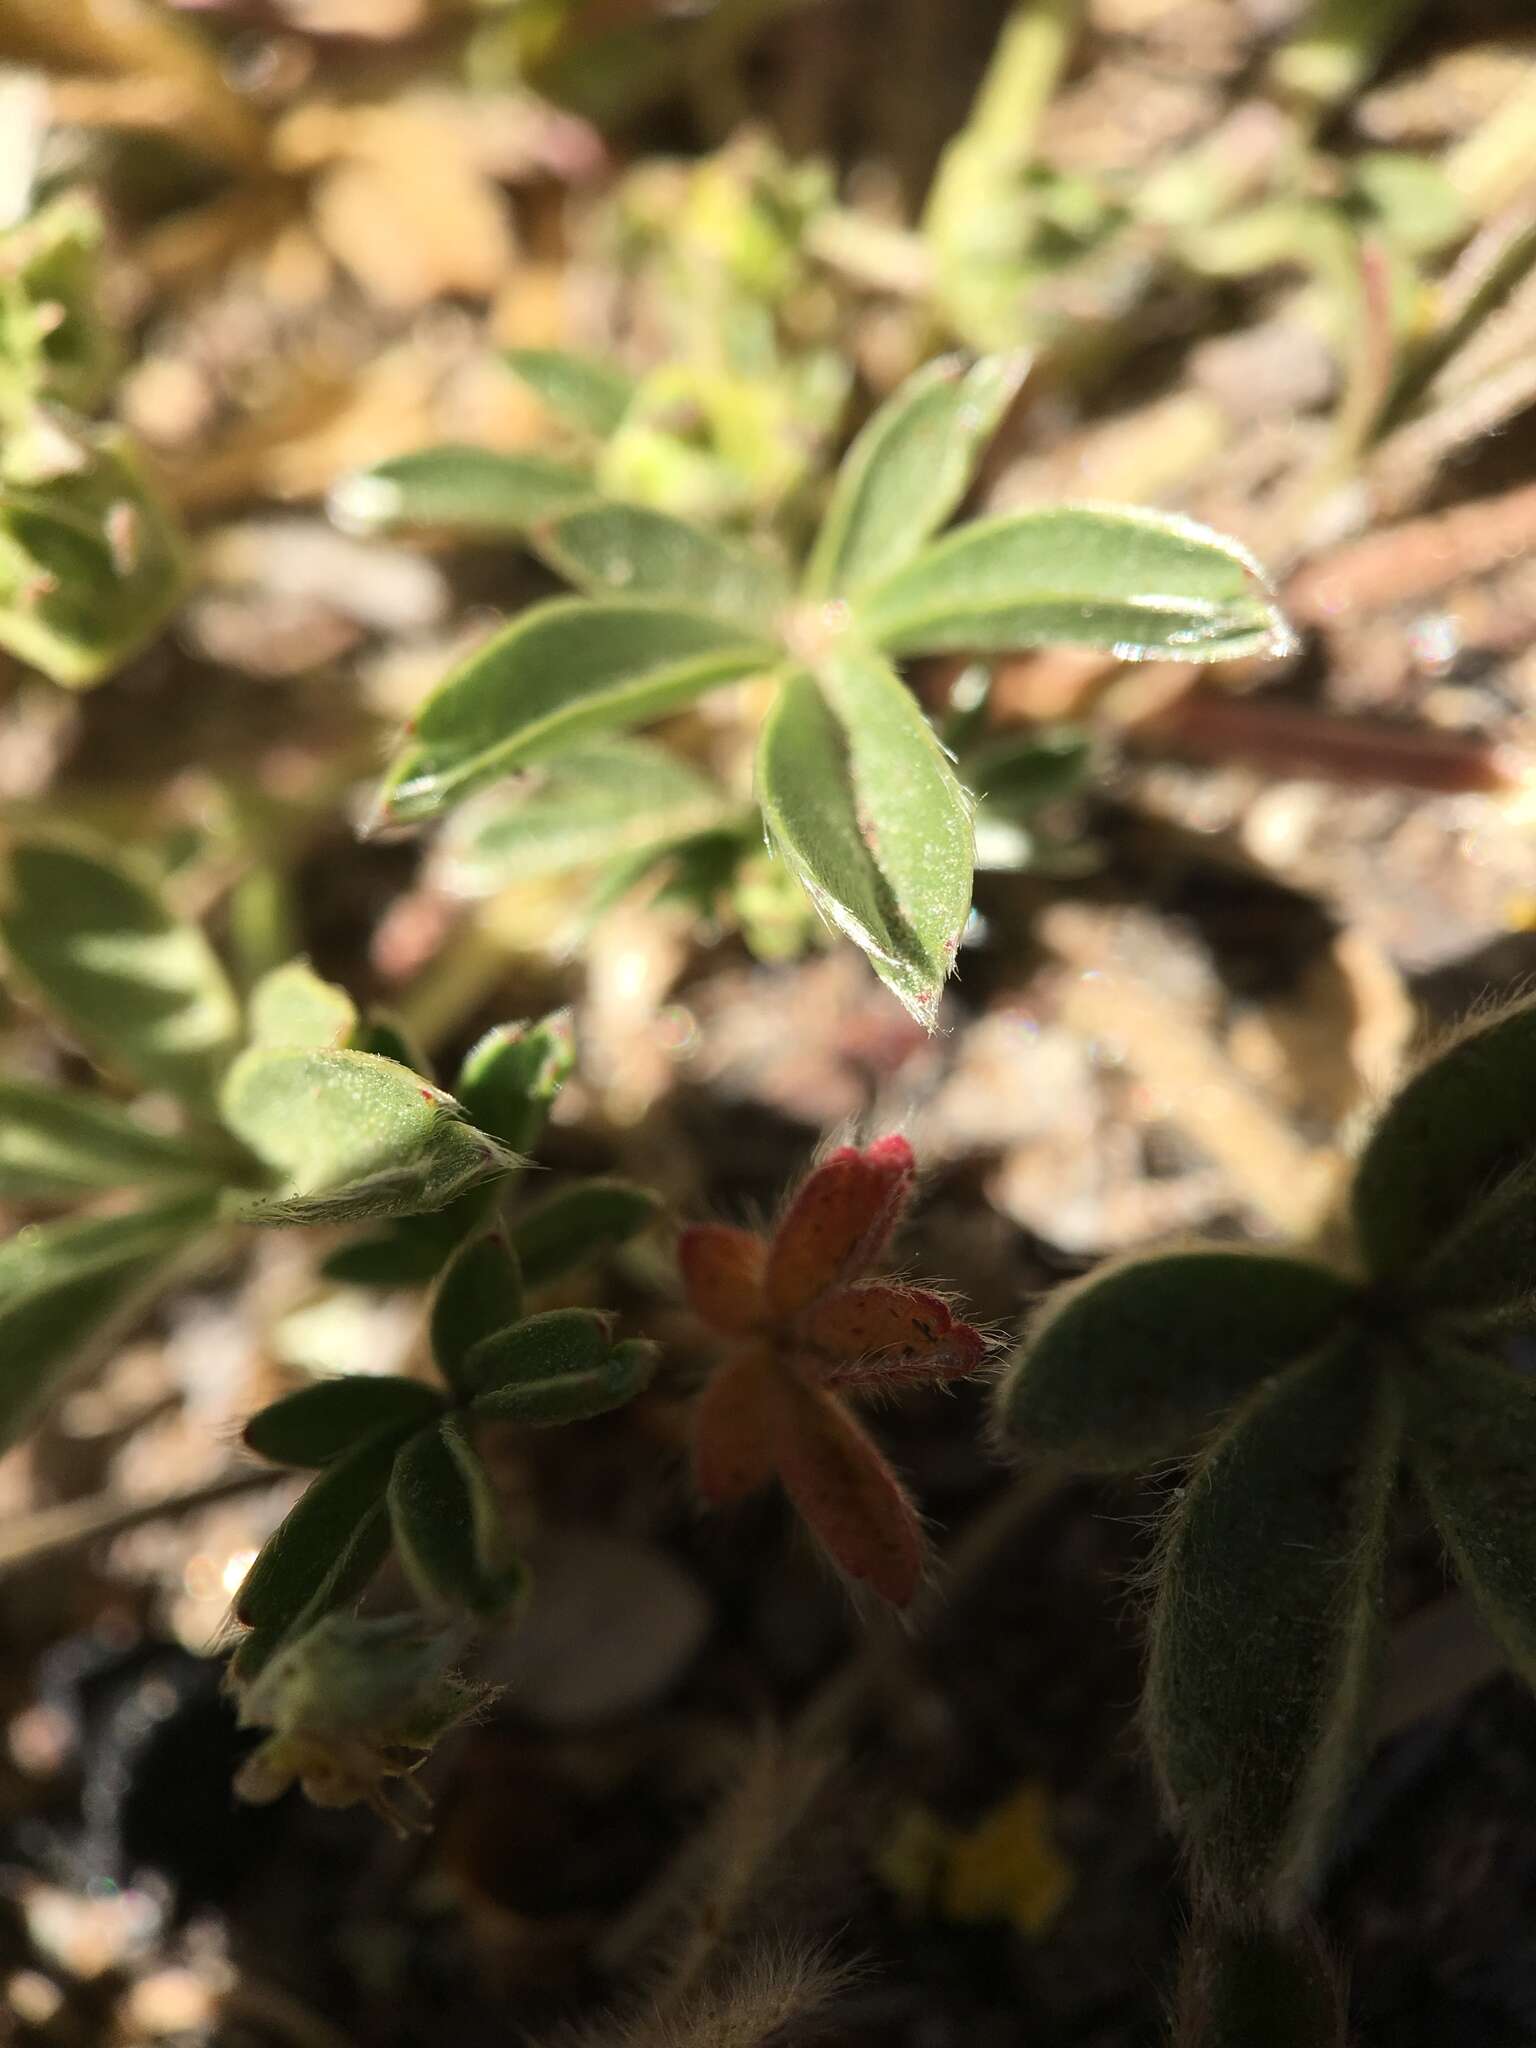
803, 1325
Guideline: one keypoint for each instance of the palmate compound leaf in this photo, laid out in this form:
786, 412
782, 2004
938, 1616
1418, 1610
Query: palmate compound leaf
65, 1288
471, 491
1265, 1624
137, 984
862, 805
616, 550
449, 1527
609, 800
1133, 1363
1472, 1449
56, 1143
1144, 586
909, 469
1448, 1142
558, 674
347, 1135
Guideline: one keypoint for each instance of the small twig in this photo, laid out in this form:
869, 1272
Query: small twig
1292, 740
1401, 564
52, 1531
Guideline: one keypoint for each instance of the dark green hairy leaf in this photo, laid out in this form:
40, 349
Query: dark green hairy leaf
1131, 1365
560, 1342
1459, 1128
99, 945
567, 1229
316, 1424
560, 673
865, 810
564, 1391
348, 1135
324, 1551
1265, 1625
1258, 1987
1145, 586
1472, 1423
479, 1293
448, 1524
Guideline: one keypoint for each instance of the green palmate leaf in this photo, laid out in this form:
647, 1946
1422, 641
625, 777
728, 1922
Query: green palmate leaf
1133, 1364
324, 1551
480, 1293
1459, 1129
862, 805
566, 1229
66, 1288
511, 1077
348, 1135
562, 1391
1259, 1987
319, 1423
448, 1524
610, 550
54, 1143
1472, 1423
472, 491
611, 800
292, 1006
1144, 586
1265, 1625
91, 562
559, 673
589, 395
97, 942
909, 469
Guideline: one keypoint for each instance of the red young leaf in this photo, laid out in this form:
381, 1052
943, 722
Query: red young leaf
736, 1429
880, 1332
852, 1500
841, 1219
723, 1274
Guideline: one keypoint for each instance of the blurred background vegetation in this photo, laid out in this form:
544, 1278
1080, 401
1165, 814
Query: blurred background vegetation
1273, 261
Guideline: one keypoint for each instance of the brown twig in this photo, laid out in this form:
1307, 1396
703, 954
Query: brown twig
52, 1531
